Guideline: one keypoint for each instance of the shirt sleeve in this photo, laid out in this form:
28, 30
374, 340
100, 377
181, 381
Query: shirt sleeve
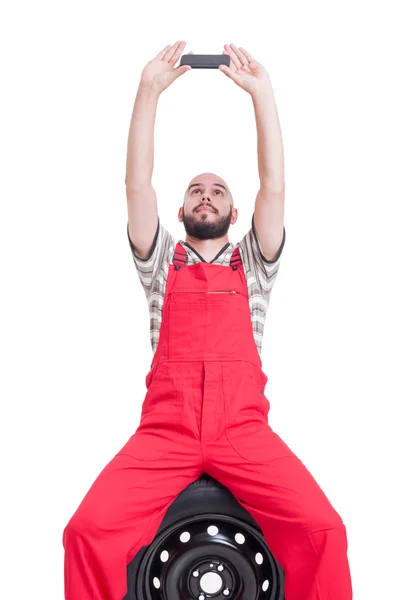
258, 267
150, 270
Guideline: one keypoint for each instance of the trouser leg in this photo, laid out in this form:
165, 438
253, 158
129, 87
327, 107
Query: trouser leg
301, 527
123, 509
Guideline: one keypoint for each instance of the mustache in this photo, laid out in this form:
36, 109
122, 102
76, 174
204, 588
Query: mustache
205, 206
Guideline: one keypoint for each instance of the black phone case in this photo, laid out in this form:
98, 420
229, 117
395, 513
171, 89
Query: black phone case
205, 61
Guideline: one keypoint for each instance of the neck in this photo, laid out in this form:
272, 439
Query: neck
208, 249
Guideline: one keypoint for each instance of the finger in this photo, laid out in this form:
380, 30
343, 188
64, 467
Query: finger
162, 53
234, 58
170, 52
230, 73
239, 54
231, 63
234, 62
177, 53
248, 56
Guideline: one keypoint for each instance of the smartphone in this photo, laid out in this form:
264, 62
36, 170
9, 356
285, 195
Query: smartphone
205, 61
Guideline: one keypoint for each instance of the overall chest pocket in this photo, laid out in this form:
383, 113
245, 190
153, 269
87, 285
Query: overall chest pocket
199, 323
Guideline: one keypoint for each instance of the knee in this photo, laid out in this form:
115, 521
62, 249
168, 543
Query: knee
328, 519
330, 531
71, 531
78, 527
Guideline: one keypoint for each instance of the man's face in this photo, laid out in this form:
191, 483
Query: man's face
207, 212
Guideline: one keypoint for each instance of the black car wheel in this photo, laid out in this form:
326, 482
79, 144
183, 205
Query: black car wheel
207, 546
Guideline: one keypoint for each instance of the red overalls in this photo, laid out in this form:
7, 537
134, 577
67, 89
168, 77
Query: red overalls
205, 411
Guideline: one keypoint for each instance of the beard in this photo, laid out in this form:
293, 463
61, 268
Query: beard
203, 229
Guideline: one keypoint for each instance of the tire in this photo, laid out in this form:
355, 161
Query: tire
203, 503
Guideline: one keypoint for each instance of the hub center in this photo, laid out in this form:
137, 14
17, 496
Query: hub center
211, 583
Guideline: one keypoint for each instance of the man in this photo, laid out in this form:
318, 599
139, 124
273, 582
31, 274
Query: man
205, 408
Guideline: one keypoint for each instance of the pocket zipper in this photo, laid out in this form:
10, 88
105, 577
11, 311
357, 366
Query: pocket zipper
199, 292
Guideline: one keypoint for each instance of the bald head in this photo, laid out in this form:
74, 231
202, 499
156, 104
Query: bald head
207, 184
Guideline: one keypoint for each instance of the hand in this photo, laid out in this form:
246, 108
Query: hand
244, 69
159, 73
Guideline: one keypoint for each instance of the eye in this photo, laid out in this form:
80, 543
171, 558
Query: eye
218, 191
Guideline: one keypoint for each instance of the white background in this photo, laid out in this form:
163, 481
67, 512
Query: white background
74, 320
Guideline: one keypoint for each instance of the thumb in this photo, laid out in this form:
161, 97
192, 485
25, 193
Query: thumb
230, 73
181, 70
177, 72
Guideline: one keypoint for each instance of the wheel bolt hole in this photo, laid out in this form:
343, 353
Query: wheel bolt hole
265, 585
185, 537
164, 557
156, 583
259, 558
239, 538
212, 530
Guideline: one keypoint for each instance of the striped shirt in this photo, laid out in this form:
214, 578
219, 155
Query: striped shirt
260, 275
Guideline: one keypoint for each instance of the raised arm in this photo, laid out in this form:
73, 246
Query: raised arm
142, 208
251, 76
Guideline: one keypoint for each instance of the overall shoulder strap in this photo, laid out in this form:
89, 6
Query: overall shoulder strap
236, 259
180, 257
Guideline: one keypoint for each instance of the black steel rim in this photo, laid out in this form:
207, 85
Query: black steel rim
208, 556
